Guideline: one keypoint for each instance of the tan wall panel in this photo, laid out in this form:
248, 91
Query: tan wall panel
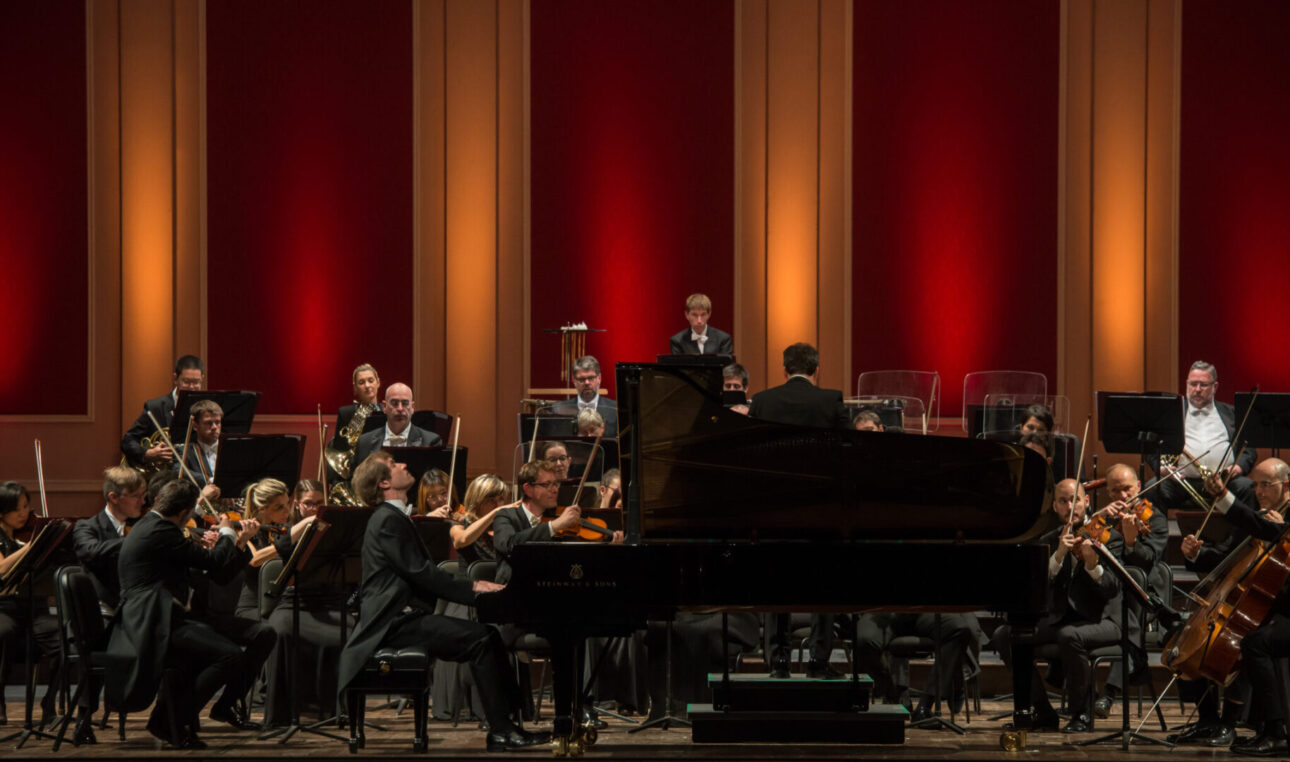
750, 194
1119, 192
1164, 62
792, 175
834, 286
511, 363
430, 373
190, 179
147, 199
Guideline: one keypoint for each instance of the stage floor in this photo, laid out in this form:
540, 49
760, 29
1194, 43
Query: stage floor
980, 742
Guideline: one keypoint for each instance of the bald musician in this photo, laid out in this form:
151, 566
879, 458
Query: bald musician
190, 375
399, 430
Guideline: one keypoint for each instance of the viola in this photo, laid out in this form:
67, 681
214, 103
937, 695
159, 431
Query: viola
590, 529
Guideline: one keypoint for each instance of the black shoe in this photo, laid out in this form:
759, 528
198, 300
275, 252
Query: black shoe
821, 670
1080, 723
516, 739
84, 733
1262, 745
1223, 738
1046, 722
592, 719
779, 665
228, 714
1102, 707
1202, 733
192, 742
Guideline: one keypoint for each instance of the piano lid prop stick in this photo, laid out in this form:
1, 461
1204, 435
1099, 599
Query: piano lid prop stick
40, 479
452, 465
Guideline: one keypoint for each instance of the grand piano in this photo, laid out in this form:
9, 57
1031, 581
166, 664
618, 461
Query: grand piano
724, 512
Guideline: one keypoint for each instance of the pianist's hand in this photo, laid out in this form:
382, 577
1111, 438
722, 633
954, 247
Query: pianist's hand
484, 586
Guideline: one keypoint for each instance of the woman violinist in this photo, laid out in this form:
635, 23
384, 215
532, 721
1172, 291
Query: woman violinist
433, 495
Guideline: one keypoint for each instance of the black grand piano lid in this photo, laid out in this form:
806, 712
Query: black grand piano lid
700, 472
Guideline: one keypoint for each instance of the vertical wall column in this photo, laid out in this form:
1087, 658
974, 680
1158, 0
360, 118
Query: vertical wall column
470, 218
1118, 244
793, 183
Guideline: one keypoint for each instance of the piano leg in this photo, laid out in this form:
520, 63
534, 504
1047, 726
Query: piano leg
564, 688
1023, 667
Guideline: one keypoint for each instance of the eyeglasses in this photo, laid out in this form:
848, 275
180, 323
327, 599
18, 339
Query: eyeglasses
399, 403
545, 485
1200, 384
1267, 485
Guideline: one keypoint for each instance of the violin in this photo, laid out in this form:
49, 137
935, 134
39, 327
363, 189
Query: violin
590, 529
1098, 526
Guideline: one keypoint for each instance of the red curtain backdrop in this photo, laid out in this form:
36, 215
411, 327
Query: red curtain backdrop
1234, 196
309, 144
955, 218
632, 173
44, 255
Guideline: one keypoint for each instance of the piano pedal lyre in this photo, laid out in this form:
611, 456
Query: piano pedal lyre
1012, 740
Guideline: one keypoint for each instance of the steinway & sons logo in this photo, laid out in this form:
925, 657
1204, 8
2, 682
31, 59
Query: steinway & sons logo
578, 580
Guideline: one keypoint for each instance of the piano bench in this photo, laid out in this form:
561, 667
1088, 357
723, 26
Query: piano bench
403, 671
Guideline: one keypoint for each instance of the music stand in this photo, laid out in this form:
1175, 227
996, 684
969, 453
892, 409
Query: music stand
238, 406
1269, 422
248, 458
1129, 422
696, 360
422, 459
549, 426
326, 561
47, 540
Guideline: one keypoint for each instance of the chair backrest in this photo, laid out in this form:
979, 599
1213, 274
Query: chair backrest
78, 602
485, 570
268, 572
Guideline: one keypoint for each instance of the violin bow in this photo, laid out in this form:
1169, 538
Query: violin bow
1239, 430
577, 496
1079, 468
40, 479
452, 465
1214, 502
183, 467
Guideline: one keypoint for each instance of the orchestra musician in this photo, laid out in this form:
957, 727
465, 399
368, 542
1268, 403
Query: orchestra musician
1038, 420
1082, 597
868, 420
590, 424
155, 630
367, 389
798, 401
611, 489
556, 454
208, 422
539, 484
189, 375
452, 686
734, 378
97, 540
16, 622
399, 430
1210, 426
1271, 479
701, 338
586, 379
1133, 544
1271, 640
399, 574
433, 495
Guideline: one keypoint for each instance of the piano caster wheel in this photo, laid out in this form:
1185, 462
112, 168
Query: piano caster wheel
576, 747
589, 734
419, 745
353, 746
560, 746
1012, 740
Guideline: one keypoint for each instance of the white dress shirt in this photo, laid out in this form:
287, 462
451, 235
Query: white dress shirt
390, 436
595, 401
1205, 431
700, 339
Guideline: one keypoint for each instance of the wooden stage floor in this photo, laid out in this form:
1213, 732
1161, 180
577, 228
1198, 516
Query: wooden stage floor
466, 741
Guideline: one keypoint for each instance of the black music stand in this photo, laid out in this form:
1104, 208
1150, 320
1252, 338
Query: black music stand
549, 426
239, 411
1269, 422
422, 459
248, 458
327, 559
1125, 735
48, 539
1138, 423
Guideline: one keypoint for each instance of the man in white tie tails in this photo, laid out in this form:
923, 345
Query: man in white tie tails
1210, 426
399, 430
701, 338
586, 379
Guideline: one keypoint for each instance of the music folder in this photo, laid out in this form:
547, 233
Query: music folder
238, 406
422, 459
247, 458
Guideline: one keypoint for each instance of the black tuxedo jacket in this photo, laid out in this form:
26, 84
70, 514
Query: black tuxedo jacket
718, 343
1074, 592
801, 403
607, 408
132, 443
153, 568
398, 573
191, 461
1227, 414
98, 548
511, 527
371, 441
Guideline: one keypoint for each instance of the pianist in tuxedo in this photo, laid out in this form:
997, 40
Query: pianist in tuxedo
701, 338
367, 389
799, 402
399, 430
1083, 596
203, 451
190, 375
399, 589
586, 379
155, 630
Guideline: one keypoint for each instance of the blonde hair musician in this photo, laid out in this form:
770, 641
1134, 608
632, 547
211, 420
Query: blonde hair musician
268, 501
